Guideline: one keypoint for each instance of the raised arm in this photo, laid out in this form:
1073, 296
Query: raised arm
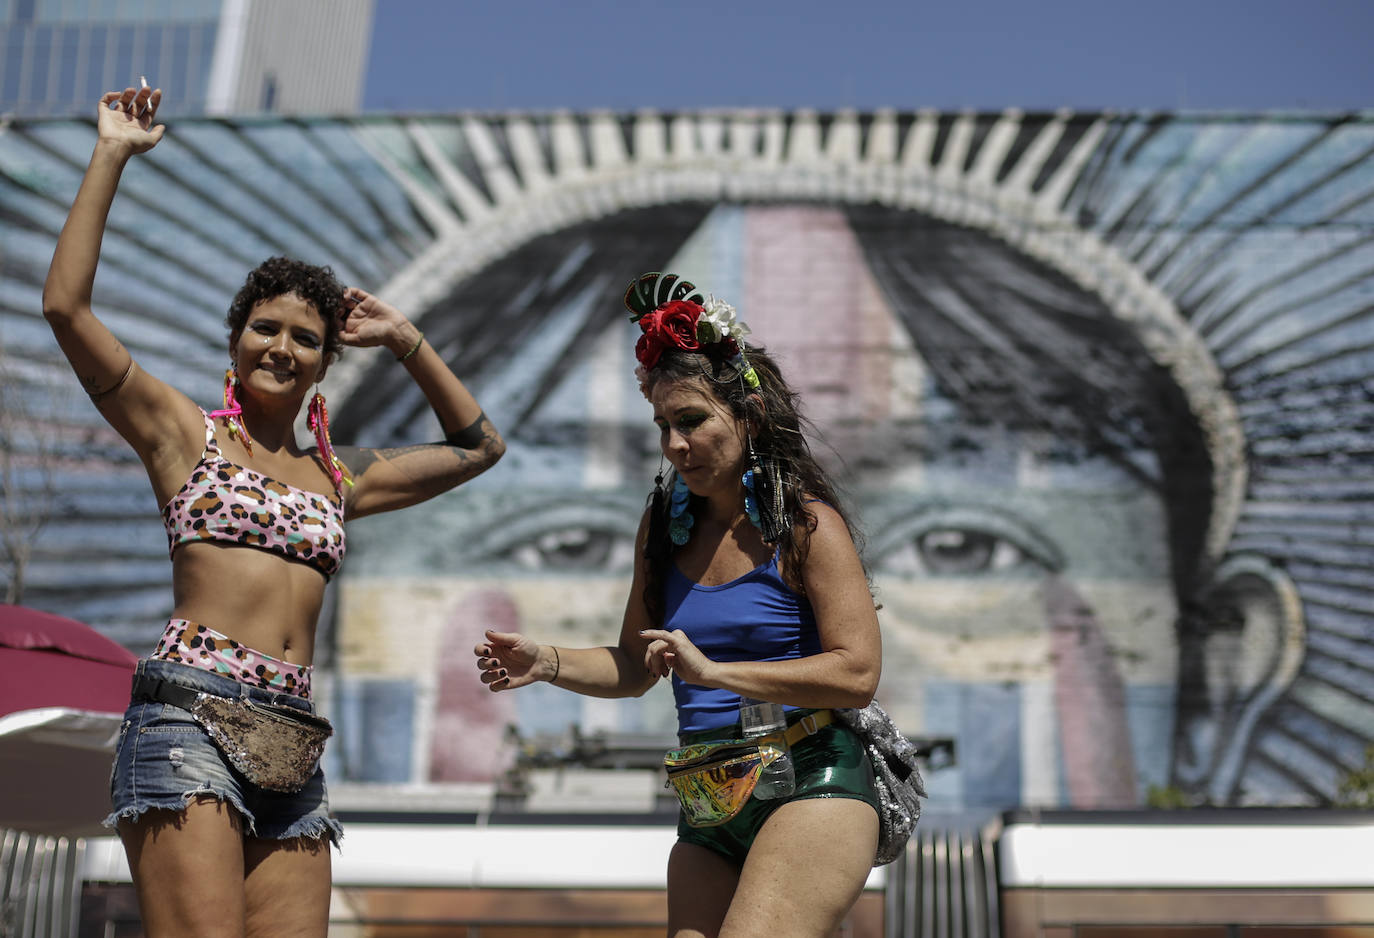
844, 674
386, 479
509, 660
134, 403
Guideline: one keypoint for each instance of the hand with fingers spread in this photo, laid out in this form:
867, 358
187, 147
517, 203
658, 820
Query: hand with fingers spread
670, 652
509, 660
126, 118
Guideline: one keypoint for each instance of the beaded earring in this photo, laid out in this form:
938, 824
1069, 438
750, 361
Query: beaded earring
680, 520
317, 418
763, 496
658, 498
232, 411
751, 504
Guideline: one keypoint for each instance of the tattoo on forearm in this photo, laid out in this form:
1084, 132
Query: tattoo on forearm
466, 445
367, 457
471, 436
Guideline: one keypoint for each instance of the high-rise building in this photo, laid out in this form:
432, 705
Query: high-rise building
209, 56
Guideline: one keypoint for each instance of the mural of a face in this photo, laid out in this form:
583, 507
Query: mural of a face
1089, 374
1027, 571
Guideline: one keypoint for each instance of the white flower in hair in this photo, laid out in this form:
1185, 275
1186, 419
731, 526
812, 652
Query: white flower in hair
717, 321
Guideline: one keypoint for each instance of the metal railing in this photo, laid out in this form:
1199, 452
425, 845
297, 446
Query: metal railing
40, 885
944, 886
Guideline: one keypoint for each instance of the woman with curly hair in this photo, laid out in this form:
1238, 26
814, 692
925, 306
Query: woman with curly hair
747, 588
218, 794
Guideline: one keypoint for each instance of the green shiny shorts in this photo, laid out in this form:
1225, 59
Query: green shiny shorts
830, 764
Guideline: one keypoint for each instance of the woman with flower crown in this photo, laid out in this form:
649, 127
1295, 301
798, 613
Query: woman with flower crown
747, 587
218, 795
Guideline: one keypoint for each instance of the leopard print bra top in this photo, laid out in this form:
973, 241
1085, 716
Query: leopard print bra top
233, 504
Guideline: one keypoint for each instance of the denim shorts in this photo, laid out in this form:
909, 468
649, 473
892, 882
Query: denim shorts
832, 763
164, 759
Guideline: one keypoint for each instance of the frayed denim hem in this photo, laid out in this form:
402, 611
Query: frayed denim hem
179, 804
315, 828
310, 828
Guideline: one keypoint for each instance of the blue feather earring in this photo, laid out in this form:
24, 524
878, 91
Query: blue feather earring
763, 496
680, 520
751, 504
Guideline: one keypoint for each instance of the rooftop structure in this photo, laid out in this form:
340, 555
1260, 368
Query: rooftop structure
211, 56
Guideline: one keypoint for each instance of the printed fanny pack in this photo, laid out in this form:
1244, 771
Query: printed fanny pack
714, 780
275, 747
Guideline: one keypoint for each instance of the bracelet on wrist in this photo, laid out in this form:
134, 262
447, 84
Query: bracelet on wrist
557, 663
413, 349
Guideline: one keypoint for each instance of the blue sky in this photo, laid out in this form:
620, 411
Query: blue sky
455, 55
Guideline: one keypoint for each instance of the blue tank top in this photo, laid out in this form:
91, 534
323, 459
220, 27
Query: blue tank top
754, 618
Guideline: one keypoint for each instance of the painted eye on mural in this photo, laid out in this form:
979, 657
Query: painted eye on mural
561, 537
956, 551
575, 549
960, 542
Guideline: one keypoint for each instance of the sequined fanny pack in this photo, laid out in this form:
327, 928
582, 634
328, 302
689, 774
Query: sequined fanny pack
896, 777
713, 781
275, 747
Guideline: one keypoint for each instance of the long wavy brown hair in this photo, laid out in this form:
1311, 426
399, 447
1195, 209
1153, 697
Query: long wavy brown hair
779, 433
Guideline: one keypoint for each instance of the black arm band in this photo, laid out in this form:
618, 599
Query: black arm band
470, 437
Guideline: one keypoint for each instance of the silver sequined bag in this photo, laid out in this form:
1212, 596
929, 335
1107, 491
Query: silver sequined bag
895, 774
275, 747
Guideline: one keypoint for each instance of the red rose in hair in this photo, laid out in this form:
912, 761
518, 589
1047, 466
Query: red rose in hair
672, 325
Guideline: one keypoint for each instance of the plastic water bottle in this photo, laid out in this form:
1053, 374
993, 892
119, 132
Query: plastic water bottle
760, 718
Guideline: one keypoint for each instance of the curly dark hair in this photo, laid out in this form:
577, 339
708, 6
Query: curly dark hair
780, 435
282, 276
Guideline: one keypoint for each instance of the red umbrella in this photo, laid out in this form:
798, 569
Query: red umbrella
63, 690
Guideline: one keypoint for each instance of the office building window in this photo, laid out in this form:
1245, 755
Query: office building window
69, 55
149, 62
178, 59
38, 60
124, 67
97, 40
14, 66
269, 92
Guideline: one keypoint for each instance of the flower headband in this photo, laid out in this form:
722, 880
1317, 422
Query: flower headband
672, 314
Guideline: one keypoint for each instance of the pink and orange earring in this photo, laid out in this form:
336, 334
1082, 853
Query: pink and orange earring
233, 410
317, 417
